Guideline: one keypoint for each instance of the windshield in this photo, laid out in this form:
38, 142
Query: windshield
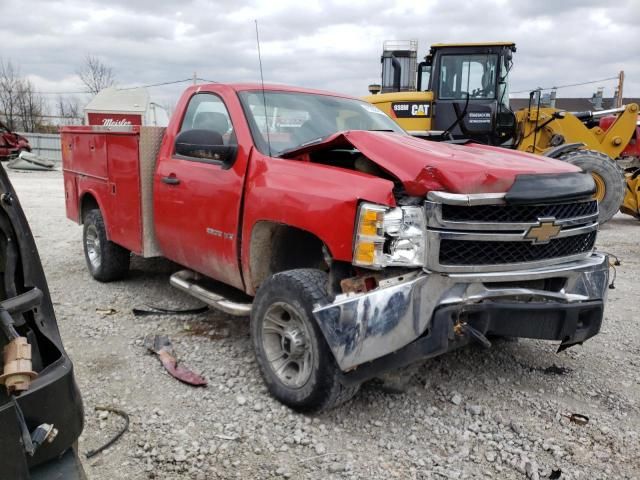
473, 75
297, 119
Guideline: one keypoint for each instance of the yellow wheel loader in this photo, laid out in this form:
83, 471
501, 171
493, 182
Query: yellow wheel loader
461, 92
631, 203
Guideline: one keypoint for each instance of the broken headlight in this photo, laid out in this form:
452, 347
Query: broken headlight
388, 236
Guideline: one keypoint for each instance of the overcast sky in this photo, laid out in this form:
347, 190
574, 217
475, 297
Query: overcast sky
323, 44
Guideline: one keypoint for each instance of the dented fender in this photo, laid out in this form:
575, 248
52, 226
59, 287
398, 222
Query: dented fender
319, 199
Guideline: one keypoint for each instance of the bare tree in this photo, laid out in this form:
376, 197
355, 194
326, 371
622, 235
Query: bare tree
96, 75
30, 107
9, 88
22, 107
69, 110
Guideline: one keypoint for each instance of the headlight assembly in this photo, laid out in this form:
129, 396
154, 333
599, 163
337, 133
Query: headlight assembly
388, 236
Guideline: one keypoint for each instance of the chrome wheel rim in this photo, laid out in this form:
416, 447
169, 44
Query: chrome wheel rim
285, 337
92, 244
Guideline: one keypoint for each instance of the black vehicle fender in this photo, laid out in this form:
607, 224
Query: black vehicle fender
555, 152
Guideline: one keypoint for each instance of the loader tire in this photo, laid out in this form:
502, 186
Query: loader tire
293, 356
106, 261
608, 176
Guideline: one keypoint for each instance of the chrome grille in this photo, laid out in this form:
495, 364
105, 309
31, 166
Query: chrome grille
476, 233
517, 213
463, 252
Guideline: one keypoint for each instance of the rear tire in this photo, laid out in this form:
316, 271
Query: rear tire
292, 354
609, 178
106, 260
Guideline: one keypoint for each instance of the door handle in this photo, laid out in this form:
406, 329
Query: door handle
171, 180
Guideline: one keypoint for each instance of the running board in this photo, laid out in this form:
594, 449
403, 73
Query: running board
194, 284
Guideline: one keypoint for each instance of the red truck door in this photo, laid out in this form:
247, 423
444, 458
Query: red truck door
197, 202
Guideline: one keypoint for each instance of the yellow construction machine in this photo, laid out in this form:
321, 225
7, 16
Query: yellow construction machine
461, 92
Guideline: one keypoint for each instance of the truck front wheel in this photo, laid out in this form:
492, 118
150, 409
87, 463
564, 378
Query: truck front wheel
292, 354
106, 260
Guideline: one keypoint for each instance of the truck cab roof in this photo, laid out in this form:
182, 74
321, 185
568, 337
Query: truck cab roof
249, 86
473, 44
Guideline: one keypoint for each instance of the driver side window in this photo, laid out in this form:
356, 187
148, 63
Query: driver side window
459, 77
468, 75
207, 111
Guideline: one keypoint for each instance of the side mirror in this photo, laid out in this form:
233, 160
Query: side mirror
206, 146
424, 75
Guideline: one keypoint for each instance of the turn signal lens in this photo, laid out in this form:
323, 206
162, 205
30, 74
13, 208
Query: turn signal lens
369, 241
365, 253
371, 222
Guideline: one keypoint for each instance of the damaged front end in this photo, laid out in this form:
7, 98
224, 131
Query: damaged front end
563, 303
492, 265
41, 415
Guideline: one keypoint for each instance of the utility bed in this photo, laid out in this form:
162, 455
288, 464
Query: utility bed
117, 164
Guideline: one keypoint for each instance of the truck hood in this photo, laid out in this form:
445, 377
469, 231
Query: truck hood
423, 166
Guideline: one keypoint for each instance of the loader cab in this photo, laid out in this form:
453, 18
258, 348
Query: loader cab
470, 87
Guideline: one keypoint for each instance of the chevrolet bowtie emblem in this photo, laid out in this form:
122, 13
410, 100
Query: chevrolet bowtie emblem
544, 232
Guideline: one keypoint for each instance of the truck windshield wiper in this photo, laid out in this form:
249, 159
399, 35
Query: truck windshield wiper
302, 145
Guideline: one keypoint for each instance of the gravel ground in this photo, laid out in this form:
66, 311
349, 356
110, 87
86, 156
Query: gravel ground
497, 413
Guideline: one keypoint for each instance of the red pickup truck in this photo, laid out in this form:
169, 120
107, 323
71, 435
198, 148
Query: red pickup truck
354, 247
11, 143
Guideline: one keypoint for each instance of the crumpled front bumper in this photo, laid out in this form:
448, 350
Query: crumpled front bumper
362, 328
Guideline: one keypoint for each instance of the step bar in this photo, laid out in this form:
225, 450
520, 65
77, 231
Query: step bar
187, 281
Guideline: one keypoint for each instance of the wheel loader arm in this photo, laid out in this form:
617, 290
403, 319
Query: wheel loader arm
549, 127
616, 138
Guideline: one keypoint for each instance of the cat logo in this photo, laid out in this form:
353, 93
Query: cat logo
410, 109
420, 110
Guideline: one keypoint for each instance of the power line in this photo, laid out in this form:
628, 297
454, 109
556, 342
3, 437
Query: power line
61, 93
157, 84
133, 88
568, 85
168, 83
22, 115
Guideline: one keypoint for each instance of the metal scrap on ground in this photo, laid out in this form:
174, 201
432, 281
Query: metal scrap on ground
153, 310
577, 418
30, 161
116, 437
161, 346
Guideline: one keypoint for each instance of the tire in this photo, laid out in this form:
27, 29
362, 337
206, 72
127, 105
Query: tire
609, 178
292, 354
106, 260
